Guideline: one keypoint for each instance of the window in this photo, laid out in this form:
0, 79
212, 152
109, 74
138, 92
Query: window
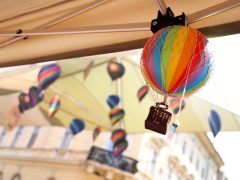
191, 156
197, 164
169, 175
16, 177
203, 173
66, 139
184, 147
17, 135
153, 162
2, 135
33, 137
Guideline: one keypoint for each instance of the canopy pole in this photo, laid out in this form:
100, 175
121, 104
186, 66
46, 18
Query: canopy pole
213, 10
161, 6
57, 20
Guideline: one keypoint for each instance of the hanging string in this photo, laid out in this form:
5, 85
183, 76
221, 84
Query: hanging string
78, 103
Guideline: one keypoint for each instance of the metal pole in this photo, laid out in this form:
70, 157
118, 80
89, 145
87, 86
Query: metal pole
161, 6
211, 11
60, 19
83, 30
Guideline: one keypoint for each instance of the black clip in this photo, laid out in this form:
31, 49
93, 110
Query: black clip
167, 20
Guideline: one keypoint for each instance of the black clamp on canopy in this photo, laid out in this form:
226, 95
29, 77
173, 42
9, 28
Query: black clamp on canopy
163, 21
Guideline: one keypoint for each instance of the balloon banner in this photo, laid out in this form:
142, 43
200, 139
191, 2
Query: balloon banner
116, 115
115, 70
175, 105
77, 126
176, 61
54, 106
214, 122
48, 74
96, 132
113, 101
142, 92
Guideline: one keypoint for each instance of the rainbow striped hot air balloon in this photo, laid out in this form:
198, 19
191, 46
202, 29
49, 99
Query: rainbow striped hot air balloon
48, 74
119, 140
175, 61
116, 115
54, 106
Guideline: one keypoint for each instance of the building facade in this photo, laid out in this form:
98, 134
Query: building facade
53, 153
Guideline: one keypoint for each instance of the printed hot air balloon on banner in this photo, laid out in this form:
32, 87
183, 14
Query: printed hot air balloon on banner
142, 92
54, 106
113, 101
176, 105
35, 95
116, 115
96, 132
77, 126
115, 70
214, 122
48, 74
175, 62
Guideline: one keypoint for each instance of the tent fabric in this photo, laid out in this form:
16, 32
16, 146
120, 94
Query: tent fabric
86, 99
56, 15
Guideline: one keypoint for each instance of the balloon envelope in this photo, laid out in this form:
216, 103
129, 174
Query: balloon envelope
214, 122
120, 148
77, 126
113, 101
115, 70
48, 74
176, 58
116, 115
118, 135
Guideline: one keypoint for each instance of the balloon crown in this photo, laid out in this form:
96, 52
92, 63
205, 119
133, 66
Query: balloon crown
163, 21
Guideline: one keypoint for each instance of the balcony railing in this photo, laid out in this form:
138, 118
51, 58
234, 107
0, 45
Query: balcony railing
106, 157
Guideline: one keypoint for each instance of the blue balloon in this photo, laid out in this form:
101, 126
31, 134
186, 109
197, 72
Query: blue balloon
77, 126
214, 122
113, 101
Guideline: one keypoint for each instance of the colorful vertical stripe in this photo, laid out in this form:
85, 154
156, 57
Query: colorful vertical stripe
176, 58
